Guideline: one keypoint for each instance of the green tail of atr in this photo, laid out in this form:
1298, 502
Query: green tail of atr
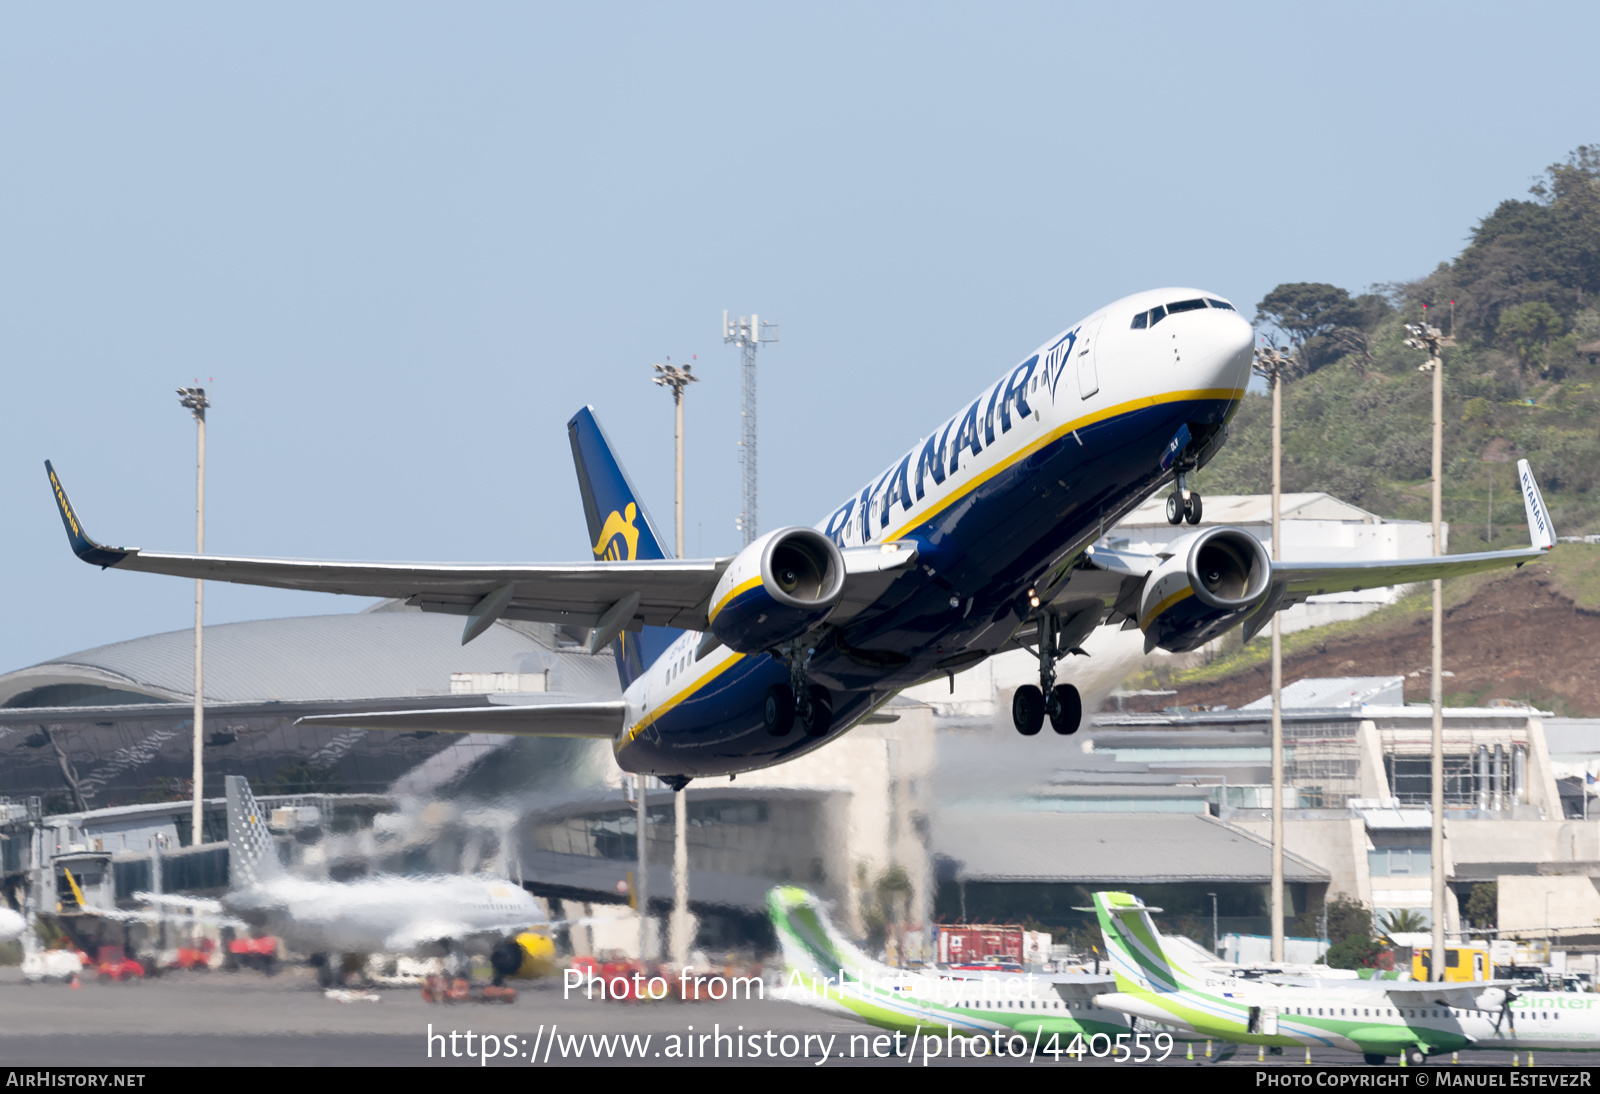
812, 947
1133, 946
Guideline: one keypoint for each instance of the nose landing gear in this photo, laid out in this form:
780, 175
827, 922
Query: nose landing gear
1183, 504
1061, 702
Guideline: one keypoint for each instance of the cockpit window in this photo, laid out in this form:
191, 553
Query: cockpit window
1157, 314
1186, 305
1141, 321
1223, 304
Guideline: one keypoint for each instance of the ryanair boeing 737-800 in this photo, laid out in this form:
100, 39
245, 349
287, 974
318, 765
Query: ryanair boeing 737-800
978, 539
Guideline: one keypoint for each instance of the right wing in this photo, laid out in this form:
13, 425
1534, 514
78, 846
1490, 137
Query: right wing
599, 719
1107, 585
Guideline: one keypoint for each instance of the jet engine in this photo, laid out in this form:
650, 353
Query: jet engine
779, 587
528, 956
1212, 580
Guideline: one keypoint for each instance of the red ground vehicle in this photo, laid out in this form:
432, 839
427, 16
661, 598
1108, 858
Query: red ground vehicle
114, 964
253, 953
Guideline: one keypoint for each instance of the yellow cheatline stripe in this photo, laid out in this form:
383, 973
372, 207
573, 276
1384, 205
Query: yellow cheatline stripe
742, 587
682, 696
1054, 435
1059, 432
1186, 591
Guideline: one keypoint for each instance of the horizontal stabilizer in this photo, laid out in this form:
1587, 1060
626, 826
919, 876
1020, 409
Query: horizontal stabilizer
600, 719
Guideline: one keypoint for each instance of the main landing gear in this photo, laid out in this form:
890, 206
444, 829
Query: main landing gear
1060, 701
1183, 504
784, 703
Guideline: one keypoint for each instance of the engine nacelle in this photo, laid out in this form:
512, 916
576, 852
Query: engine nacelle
1212, 581
779, 587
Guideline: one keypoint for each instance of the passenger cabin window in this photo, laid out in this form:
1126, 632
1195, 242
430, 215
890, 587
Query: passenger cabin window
1186, 305
1223, 304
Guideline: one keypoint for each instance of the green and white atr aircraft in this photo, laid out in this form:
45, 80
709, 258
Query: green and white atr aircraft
978, 1014
1379, 1019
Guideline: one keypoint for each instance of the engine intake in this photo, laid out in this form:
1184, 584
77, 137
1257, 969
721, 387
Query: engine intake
777, 588
1213, 580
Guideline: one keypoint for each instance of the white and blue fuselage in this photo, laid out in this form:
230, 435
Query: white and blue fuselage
1011, 487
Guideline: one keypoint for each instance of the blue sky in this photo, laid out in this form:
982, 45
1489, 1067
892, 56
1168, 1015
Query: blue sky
401, 244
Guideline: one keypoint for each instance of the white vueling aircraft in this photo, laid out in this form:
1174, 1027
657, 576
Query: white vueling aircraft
434, 916
978, 539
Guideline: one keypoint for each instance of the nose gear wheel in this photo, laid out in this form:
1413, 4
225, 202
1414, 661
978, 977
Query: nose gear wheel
1183, 504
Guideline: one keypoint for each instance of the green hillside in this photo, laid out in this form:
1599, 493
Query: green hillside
1521, 382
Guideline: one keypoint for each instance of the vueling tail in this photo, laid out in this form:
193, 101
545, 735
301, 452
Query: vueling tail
619, 529
1134, 946
252, 854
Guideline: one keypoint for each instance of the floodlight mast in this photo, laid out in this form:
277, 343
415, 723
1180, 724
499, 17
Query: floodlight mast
1433, 341
1272, 365
748, 336
679, 926
193, 399
671, 376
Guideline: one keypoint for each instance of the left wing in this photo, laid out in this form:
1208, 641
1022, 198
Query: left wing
603, 719
606, 596
432, 932
1489, 995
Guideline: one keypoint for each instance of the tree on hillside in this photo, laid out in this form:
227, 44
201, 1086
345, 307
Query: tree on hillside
1546, 249
1323, 322
1527, 331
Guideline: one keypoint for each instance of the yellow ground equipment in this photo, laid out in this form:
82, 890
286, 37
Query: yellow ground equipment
1460, 963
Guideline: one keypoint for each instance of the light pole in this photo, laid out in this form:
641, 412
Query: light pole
1271, 364
678, 930
1216, 942
671, 376
193, 399
1433, 340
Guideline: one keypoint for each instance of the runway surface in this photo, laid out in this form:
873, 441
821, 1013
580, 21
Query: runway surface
249, 1019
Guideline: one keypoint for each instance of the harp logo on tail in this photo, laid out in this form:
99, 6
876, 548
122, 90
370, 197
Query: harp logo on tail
619, 538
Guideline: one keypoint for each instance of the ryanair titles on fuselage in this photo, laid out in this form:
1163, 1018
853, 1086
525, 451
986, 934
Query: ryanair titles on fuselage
952, 448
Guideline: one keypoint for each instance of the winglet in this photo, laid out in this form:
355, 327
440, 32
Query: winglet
1541, 530
82, 546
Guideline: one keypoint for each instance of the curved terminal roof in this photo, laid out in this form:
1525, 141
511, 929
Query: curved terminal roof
371, 655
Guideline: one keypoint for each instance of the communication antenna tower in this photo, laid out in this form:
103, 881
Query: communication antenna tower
748, 334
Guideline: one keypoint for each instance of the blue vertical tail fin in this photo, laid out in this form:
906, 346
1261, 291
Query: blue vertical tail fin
619, 529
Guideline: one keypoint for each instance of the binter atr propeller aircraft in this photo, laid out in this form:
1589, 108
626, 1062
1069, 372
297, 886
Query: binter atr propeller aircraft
977, 540
1412, 1019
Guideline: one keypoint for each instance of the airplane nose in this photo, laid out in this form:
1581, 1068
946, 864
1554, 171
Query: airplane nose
1221, 353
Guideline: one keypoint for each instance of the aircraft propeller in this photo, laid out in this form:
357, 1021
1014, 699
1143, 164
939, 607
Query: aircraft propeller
1506, 1014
